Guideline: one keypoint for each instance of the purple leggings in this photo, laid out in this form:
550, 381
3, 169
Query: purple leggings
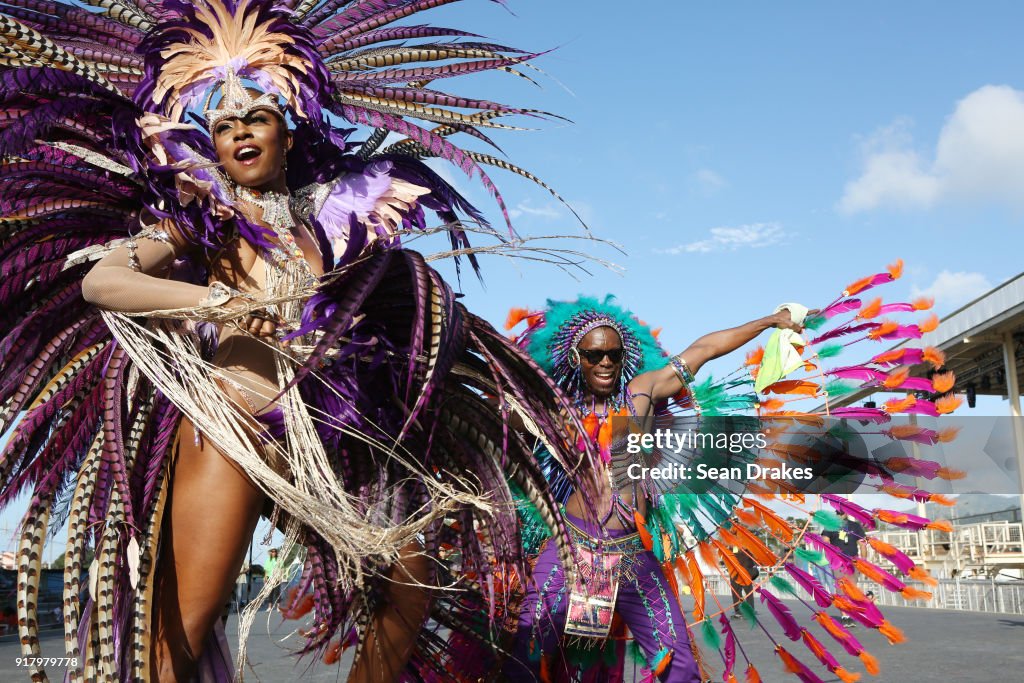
645, 603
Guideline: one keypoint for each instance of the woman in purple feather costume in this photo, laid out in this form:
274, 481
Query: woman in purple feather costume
253, 338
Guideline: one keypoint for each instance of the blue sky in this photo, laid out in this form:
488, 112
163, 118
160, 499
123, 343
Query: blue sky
745, 154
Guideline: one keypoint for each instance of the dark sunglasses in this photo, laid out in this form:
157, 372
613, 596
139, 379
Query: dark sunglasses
595, 356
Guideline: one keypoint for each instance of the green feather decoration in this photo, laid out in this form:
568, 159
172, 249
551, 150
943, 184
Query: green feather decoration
560, 313
812, 556
654, 527
841, 432
782, 584
749, 613
828, 520
814, 322
711, 636
830, 350
635, 654
838, 387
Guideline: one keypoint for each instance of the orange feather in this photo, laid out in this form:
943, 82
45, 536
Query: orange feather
905, 431
814, 645
922, 303
736, 571
751, 674
829, 624
793, 386
870, 663
748, 518
696, 587
895, 269
940, 499
888, 356
896, 378
898, 405
846, 676
663, 664
755, 357
934, 356
885, 327
948, 434
894, 635
950, 474
871, 310
707, 553
851, 589
947, 404
670, 576
778, 526
857, 285
915, 594
645, 535
871, 571
516, 316
761, 554
940, 525
930, 323
944, 382
922, 575
790, 662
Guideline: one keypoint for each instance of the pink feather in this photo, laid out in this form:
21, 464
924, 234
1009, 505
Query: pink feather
875, 415
845, 507
729, 645
858, 372
906, 357
781, 613
841, 307
836, 559
810, 584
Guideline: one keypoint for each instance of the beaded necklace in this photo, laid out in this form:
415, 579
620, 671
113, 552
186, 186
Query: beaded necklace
277, 213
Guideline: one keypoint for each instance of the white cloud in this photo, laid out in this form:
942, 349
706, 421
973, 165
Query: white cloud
979, 156
751, 235
526, 208
952, 290
708, 182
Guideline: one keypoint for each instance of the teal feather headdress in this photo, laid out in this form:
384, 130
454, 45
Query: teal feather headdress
555, 331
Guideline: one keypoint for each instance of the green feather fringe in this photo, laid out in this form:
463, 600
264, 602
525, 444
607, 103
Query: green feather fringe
841, 432
749, 613
782, 584
830, 350
814, 322
711, 635
812, 556
838, 387
635, 654
828, 520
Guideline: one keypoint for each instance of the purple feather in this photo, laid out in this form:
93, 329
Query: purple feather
781, 613
810, 584
845, 507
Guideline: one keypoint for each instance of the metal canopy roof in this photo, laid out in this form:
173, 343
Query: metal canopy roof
973, 339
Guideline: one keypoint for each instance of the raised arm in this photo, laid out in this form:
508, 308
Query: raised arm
665, 382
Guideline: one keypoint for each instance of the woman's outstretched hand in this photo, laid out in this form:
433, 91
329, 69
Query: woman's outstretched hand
784, 321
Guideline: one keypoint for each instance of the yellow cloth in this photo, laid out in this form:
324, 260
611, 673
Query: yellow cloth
781, 356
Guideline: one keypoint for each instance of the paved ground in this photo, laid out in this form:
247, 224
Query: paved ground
944, 645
